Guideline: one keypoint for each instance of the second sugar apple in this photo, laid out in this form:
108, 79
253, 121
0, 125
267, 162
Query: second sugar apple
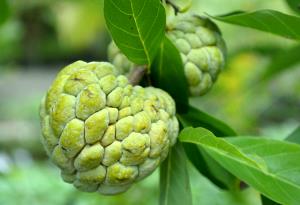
201, 47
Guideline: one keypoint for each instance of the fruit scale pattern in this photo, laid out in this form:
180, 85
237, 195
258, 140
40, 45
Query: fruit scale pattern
103, 133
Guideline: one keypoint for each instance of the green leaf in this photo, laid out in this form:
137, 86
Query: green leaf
294, 4
210, 168
137, 27
282, 61
205, 193
267, 201
174, 179
294, 136
270, 166
167, 73
196, 118
205, 164
4, 11
270, 21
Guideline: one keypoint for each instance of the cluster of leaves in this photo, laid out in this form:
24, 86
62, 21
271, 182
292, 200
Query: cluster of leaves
216, 151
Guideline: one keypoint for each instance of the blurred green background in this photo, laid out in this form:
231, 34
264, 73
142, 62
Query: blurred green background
38, 37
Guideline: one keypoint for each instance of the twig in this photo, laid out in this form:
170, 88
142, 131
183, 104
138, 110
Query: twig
137, 74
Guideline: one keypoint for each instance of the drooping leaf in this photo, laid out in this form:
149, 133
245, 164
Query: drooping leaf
282, 61
4, 11
270, 166
294, 4
206, 193
270, 21
281, 159
167, 73
174, 179
137, 27
197, 118
229, 180
203, 163
294, 136
267, 201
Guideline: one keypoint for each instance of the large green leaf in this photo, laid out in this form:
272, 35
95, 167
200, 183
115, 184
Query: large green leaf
267, 201
282, 61
270, 166
203, 163
294, 136
174, 179
4, 11
209, 168
206, 193
137, 27
294, 4
167, 73
270, 21
197, 118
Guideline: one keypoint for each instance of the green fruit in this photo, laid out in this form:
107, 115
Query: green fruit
202, 50
119, 60
201, 47
103, 133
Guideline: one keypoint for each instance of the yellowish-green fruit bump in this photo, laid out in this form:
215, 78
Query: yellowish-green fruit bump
103, 133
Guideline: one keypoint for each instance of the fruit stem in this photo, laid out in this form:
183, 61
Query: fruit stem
175, 7
137, 74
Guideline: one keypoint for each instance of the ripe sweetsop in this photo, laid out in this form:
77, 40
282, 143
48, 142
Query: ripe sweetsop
201, 47
103, 133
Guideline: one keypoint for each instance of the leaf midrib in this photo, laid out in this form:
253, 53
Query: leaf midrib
248, 165
139, 33
162, 47
232, 19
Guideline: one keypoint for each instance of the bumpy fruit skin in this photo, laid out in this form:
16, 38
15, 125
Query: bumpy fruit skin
201, 47
119, 60
103, 133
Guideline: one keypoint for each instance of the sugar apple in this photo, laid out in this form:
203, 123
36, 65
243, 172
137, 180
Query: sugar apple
103, 133
201, 47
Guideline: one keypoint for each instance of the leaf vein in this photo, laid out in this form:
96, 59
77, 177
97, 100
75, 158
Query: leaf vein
121, 29
116, 6
139, 34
